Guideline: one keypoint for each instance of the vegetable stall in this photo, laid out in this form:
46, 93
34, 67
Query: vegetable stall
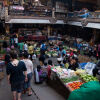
65, 81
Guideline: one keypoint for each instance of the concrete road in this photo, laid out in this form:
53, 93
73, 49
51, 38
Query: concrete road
5, 93
43, 92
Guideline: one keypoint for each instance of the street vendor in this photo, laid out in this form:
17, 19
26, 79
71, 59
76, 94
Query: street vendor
73, 64
96, 70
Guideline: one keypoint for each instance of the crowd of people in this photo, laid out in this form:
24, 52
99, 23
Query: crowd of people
20, 68
21, 65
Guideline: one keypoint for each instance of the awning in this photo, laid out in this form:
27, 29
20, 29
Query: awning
89, 25
33, 21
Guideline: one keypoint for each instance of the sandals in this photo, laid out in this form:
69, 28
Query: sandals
30, 94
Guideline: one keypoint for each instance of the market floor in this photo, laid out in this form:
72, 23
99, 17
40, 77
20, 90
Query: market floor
5, 93
43, 92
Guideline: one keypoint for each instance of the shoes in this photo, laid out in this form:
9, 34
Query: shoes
30, 94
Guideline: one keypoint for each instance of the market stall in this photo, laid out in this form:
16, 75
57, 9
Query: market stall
64, 81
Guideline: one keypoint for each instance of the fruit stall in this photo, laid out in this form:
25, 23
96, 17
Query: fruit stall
64, 81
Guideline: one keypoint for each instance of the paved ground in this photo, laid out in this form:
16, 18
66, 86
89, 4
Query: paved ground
5, 93
43, 91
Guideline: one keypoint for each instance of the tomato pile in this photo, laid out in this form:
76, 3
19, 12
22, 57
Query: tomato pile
75, 85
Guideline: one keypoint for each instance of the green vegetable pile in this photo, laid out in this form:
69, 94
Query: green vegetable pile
67, 80
87, 78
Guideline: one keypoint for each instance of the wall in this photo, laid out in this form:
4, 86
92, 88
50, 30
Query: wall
98, 3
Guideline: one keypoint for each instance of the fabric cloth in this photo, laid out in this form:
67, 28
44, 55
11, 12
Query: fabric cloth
89, 68
88, 91
29, 65
16, 72
82, 65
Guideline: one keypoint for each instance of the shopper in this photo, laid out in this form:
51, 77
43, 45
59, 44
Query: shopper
15, 41
21, 56
41, 60
34, 57
21, 47
96, 70
73, 65
7, 58
16, 75
4, 45
37, 74
29, 66
50, 65
8, 49
30, 50
43, 48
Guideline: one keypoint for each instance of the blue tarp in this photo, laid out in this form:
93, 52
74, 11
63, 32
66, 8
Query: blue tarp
82, 65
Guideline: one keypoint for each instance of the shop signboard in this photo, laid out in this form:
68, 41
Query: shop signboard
16, 7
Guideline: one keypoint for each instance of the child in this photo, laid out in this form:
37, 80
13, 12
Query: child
37, 74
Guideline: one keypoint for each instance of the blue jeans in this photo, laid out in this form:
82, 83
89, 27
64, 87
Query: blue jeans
28, 83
